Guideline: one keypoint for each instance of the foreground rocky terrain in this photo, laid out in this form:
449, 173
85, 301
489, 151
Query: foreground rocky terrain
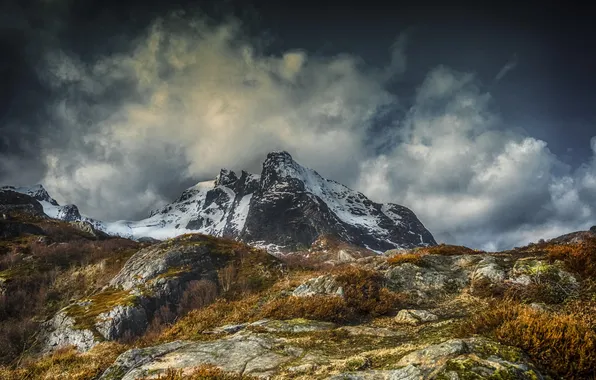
77, 304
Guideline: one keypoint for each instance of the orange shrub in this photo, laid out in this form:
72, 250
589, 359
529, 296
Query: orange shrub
450, 250
564, 343
364, 292
399, 259
579, 258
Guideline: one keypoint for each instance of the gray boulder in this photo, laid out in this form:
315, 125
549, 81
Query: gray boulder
415, 317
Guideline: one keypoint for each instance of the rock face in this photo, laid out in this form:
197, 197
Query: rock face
153, 277
294, 205
12, 201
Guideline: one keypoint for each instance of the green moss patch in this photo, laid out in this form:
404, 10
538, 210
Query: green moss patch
86, 312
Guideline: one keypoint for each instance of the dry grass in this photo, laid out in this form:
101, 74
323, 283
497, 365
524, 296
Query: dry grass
563, 343
364, 297
67, 363
413, 258
449, 250
204, 372
217, 314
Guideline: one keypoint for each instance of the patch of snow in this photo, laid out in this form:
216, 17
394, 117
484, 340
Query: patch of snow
241, 212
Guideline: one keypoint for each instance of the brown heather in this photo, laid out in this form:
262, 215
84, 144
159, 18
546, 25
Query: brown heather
564, 343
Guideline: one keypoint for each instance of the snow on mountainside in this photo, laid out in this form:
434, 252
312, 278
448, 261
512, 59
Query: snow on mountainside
284, 208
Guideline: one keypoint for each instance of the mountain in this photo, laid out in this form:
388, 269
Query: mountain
286, 207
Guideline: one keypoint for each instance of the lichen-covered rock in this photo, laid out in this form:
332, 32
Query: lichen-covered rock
108, 315
372, 331
488, 270
550, 276
297, 325
322, 285
138, 357
435, 276
415, 317
243, 353
473, 358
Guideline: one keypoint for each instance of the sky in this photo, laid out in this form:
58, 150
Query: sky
481, 120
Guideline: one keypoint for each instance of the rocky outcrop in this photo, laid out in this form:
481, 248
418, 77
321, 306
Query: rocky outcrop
90, 229
266, 355
475, 358
433, 276
155, 276
323, 285
245, 353
11, 229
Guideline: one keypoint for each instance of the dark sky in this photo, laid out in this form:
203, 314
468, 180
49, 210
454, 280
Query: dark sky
550, 93
535, 61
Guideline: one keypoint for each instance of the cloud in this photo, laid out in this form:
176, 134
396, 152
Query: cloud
193, 97
126, 132
471, 180
510, 65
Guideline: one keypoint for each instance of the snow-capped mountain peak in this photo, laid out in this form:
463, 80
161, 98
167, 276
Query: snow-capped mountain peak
286, 207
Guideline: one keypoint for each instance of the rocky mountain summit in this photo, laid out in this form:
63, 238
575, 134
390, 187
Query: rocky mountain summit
282, 209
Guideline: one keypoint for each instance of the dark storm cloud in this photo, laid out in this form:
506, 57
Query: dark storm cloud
126, 110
